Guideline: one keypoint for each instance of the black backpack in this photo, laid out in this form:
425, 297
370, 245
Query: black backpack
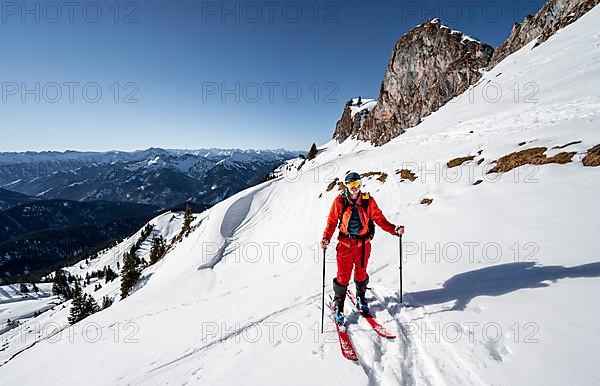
365, 204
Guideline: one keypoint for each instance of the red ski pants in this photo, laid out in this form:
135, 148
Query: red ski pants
352, 253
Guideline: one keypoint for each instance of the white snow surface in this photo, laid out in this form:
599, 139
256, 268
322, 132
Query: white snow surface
16, 306
453, 31
501, 278
365, 105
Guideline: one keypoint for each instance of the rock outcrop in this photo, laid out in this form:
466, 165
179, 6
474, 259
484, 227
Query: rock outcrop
353, 117
430, 65
554, 15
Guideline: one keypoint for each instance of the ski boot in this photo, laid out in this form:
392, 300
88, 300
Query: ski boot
339, 298
361, 299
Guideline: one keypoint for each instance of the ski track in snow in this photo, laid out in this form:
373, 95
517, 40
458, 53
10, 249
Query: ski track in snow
390, 361
436, 363
405, 360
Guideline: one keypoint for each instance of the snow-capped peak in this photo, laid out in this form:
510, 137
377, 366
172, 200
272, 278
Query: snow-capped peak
465, 38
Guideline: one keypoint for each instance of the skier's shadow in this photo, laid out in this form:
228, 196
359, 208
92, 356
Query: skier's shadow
498, 280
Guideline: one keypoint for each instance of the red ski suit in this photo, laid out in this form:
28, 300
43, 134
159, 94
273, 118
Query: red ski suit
350, 250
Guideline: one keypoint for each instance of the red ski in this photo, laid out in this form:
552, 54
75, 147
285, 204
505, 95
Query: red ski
345, 343
379, 329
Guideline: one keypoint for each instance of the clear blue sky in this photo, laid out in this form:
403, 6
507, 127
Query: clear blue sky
205, 74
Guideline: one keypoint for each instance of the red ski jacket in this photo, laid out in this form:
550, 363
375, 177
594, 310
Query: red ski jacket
373, 212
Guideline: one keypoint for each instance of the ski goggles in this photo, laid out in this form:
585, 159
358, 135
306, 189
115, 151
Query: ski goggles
354, 184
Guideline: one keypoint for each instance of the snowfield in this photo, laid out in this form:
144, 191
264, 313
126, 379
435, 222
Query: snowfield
500, 278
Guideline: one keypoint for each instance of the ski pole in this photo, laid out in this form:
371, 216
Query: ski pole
323, 296
400, 264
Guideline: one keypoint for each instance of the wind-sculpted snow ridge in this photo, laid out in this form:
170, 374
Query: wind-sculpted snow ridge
232, 220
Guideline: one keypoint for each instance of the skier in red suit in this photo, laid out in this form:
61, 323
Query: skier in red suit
355, 212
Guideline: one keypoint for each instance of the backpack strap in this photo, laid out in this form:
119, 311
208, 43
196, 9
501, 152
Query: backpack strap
345, 204
365, 201
365, 205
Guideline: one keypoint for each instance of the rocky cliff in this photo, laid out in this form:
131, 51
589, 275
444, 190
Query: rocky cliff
355, 113
554, 15
429, 65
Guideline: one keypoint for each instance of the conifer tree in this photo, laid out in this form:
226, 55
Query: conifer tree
312, 153
61, 286
158, 249
188, 217
129, 275
109, 274
90, 306
82, 306
106, 301
76, 311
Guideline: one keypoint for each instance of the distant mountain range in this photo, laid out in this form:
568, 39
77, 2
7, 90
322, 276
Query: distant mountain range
57, 206
153, 176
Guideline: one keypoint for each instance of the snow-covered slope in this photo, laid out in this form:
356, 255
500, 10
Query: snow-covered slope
15, 306
502, 277
53, 322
